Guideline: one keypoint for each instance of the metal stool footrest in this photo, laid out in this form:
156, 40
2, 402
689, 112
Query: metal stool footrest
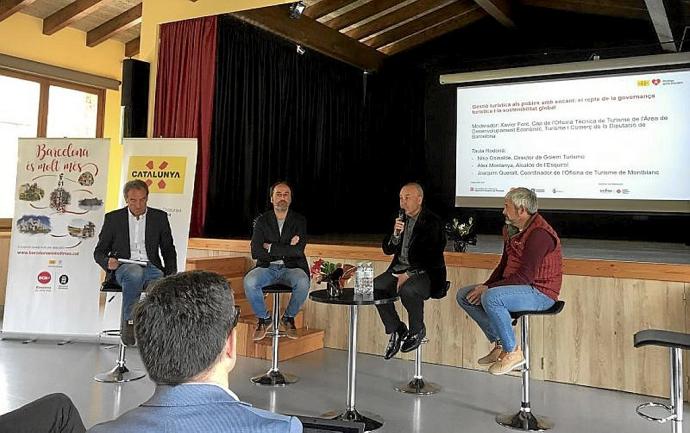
641, 413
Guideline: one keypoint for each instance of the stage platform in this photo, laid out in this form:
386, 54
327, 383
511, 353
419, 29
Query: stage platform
616, 250
611, 290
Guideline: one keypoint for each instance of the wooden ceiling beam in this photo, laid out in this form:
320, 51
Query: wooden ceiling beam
69, 14
314, 35
501, 10
360, 13
11, 7
390, 19
624, 9
325, 7
662, 26
448, 26
421, 23
132, 47
120, 23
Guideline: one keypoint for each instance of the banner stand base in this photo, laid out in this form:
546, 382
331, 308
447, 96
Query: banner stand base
59, 339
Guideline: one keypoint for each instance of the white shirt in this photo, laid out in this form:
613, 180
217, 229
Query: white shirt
230, 393
281, 223
137, 237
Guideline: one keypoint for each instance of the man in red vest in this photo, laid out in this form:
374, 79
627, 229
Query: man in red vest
528, 278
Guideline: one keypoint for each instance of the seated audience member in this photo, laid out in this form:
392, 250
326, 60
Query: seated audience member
53, 413
528, 278
278, 242
186, 337
135, 232
417, 271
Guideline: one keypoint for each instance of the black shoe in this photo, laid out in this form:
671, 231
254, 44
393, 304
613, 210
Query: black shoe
262, 328
127, 332
395, 342
289, 328
412, 341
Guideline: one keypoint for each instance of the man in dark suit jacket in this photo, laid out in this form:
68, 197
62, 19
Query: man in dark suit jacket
278, 242
135, 232
417, 271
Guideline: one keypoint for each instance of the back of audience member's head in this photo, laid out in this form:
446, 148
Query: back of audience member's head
183, 324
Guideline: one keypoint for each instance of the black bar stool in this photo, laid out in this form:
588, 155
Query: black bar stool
525, 419
274, 377
120, 373
418, 385
675, 341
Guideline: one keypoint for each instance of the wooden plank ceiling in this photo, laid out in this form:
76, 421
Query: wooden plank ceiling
99, 19
359, 32
392, 26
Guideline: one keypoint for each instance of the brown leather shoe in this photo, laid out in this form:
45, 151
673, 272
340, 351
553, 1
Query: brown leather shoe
289, 327
262, 327
492, 356
508, 362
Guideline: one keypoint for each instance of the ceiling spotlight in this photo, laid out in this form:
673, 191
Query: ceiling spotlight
296, 9
300, 49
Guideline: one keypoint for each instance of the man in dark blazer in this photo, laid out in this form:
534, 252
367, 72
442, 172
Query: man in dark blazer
278, 242
135, 232
417, 272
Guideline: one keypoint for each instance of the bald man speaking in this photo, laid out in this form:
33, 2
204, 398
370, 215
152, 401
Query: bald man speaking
417, 272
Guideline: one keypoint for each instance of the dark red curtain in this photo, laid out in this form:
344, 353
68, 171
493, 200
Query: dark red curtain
185, 87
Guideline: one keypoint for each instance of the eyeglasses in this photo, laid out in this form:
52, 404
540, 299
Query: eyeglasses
236, 316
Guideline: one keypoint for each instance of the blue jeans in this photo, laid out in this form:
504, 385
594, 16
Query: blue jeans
132, 278
258, 278
493, 315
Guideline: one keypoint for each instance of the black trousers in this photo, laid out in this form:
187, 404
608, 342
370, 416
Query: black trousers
53, 413
412, 295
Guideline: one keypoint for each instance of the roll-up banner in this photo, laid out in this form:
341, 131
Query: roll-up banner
53, 282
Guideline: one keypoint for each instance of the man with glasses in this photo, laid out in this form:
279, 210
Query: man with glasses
185, 330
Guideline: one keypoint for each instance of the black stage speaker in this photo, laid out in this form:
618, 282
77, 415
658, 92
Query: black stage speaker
135, 97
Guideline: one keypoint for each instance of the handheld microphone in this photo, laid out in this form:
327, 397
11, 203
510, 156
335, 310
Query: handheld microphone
402, 216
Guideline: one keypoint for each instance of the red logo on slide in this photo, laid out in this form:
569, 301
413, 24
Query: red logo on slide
44, 277
656, 81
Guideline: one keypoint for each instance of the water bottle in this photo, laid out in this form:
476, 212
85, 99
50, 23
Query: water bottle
364, 279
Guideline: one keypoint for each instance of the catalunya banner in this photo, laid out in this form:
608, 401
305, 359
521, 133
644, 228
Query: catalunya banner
168, 166
53, 282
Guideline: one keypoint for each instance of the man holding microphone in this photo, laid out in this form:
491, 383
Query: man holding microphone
417, 271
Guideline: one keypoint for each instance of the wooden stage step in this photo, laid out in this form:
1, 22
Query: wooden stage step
233, 269
224, 265
308, 340
250, 319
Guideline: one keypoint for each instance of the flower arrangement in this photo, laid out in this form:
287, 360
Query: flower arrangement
323, 271
462, 234
335, 275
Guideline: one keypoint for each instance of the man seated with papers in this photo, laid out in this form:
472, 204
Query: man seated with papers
129, 245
